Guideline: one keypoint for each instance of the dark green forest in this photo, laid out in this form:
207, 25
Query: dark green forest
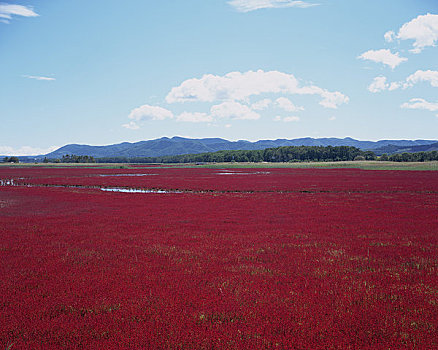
271, 155
71, 159
410, 157
280, 154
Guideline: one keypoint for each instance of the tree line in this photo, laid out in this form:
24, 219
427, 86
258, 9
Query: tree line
12, 159
278, 154
410, 157
71, 159
281, 154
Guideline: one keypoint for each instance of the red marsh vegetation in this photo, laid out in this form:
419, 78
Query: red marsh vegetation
230, 259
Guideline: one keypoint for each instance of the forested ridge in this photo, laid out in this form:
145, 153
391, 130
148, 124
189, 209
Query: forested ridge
278, 154
272, 155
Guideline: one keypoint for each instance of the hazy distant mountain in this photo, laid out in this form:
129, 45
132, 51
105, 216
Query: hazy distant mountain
392, 149
179, 145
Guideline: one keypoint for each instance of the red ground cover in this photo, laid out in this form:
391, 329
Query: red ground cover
344, 259
200, 179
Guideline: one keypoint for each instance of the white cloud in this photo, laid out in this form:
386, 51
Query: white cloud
287, 105
419, 103
286, 119
389, 36
131, 125
25, 151
396, 85
291, 119
38, 77
261, 105
252, 5
332, 118
9, 10
233, 86
194, 117
233, 110
423, 29
237, 86
421, 75
228, 126
332, 99
379, 84
383, 56
147, 112
230, 95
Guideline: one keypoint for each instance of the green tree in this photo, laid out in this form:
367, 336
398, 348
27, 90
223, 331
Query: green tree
384, 157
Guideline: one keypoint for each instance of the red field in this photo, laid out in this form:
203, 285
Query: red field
237, 259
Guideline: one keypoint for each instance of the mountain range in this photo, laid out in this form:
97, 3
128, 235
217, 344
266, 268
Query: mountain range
392, 149
179, 145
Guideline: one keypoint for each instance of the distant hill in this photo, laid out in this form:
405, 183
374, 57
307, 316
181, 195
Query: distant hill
392, 149
179, 145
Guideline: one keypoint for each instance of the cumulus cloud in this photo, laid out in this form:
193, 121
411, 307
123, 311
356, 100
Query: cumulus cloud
233, 110
379, 84
194, 117
233, 86
332, 99
252, 5
419, 103
286, 119
131, 125
230, 97
25, 150
261, 105
429, 76
383, 56
291, 119
38, 77
237, 86
287, 105
147, 112
423, 30
9, 10
396, 85
389, 36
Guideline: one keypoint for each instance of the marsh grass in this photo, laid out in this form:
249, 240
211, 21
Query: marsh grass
365, 165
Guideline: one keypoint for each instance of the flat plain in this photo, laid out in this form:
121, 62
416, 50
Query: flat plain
152, 257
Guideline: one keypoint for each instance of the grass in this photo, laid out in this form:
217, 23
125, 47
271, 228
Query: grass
366, 165
69, 165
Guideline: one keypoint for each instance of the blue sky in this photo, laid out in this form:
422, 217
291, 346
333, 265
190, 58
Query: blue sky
103, 72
